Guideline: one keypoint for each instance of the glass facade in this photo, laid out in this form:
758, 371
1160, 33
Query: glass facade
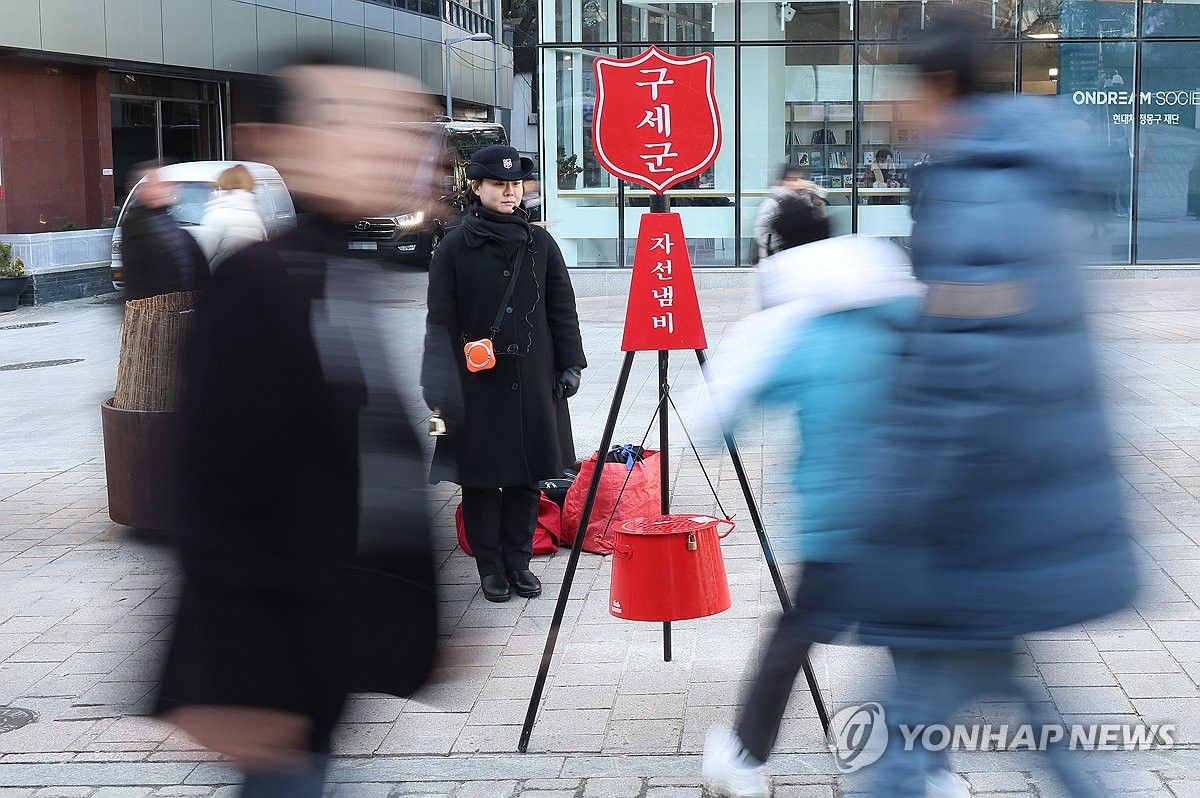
161, 117
823, 85
472, 15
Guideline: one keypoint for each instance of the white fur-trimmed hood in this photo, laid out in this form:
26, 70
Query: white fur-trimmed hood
796, 286
837, 274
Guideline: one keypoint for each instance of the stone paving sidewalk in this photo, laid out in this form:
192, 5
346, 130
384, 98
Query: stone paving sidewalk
85, 604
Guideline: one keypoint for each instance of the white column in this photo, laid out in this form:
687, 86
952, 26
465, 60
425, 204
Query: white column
763, 108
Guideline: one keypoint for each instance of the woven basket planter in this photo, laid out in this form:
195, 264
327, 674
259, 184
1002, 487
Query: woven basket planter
139, 422
151, 343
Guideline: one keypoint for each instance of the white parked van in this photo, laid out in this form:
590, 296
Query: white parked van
195, 181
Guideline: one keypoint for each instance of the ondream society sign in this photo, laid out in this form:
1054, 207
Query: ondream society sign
1162, 107
1110, 97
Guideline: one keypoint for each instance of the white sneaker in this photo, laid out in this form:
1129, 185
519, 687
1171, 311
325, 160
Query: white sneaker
944, 784
727, 769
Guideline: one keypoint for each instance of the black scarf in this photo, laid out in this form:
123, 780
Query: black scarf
510, 229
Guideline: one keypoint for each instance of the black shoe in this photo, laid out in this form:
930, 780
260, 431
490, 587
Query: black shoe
524, 583
495, 588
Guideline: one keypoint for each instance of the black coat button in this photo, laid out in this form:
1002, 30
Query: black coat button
507, 273
508, 309
515, 386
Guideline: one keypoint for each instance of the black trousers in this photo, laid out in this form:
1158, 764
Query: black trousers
499, 524
765, 703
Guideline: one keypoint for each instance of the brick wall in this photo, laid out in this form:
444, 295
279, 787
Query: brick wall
76, 284
55, 140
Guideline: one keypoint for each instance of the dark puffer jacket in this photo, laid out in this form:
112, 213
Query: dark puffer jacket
997, 506
158, 255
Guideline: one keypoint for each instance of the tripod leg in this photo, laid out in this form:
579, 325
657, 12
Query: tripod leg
664, 467
785, 600
576, 547
772, 565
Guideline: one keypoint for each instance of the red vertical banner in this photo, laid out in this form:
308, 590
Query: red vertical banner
663, 312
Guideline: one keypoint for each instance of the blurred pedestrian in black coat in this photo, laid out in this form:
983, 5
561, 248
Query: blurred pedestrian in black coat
515, 429
158, 255
303, 524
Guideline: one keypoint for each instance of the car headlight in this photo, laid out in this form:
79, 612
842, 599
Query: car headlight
409, 219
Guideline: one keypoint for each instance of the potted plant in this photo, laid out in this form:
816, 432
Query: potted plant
568, 169
12, 278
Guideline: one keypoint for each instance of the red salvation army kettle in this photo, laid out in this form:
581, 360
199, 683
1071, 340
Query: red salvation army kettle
668, 568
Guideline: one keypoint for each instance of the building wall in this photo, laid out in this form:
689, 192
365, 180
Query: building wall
248, 36
522, 125
825, 86
55, 142
55, 121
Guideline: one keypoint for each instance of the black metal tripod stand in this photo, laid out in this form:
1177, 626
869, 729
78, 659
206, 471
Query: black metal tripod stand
585, 516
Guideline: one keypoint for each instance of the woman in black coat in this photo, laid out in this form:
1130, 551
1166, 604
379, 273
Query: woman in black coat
514, 429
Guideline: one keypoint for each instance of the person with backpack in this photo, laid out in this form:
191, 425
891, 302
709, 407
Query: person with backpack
790, 181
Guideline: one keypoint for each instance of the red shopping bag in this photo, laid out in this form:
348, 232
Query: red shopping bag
642, 497
546, 535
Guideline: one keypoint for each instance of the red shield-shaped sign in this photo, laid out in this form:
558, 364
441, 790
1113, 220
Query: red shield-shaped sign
656, 120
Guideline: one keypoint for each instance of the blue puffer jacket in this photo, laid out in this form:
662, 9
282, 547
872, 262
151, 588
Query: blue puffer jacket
997, 509
824, 350
837, 386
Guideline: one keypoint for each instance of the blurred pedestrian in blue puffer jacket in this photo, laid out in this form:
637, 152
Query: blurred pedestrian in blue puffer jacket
997, 508
823, 349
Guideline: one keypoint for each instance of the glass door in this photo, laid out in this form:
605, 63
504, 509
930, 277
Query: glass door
156, 117
134, 139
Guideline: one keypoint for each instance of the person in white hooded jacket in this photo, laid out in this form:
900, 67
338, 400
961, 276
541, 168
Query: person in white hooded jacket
231, 219
823, 350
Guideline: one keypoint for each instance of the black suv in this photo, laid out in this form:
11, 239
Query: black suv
413, 234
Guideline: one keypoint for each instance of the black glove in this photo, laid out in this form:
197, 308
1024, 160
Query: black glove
567, 384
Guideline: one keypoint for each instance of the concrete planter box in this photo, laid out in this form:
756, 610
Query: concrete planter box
68, 265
